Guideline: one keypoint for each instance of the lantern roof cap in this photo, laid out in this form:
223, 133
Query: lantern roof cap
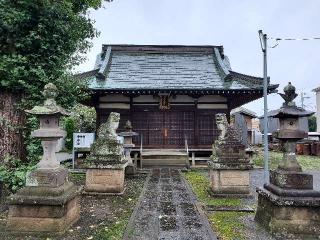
289, 108
49, 107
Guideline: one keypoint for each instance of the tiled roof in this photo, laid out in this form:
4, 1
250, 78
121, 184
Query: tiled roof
132, 67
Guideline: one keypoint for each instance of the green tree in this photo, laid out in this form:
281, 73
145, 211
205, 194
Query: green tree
312, 122
39, 41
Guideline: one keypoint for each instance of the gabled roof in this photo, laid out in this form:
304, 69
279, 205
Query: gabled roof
165, 68
243, 111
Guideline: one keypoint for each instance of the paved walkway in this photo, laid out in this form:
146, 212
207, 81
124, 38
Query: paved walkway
167, 210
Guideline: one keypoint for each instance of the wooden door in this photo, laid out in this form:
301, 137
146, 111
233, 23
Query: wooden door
164, 129
207, 129
155, 128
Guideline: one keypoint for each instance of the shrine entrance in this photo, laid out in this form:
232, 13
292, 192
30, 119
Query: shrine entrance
165, 129
170, 129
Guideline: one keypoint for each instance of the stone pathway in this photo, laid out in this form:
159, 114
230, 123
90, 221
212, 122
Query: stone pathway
167, 210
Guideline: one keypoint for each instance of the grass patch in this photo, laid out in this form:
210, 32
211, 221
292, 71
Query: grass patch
200, 185
122, 208
77, 177
306, 162
228, 225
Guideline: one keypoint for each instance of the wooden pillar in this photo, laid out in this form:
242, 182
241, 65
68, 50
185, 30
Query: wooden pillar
193, 159
196, 123
95, 102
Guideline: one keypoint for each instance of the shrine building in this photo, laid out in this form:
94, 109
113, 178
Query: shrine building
169, 93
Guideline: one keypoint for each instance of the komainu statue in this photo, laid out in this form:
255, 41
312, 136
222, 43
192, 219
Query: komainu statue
108, 129
107, 162
107, 149
229, 166
222, 125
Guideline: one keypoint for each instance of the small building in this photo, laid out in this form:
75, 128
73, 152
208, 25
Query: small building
170, 93
243, 120
317, 91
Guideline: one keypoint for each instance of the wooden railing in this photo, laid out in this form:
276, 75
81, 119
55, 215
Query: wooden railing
141, 149
187, 150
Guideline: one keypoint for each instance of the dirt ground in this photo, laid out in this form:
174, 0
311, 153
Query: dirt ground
101, 217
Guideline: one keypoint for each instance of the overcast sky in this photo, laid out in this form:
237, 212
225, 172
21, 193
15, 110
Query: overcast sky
233, 24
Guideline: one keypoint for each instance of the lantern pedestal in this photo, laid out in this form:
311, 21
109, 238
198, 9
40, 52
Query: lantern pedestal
49, 203
288, 204
293, 214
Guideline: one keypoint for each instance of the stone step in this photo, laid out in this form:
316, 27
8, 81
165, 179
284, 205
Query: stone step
163, 153
162, 162
164, 156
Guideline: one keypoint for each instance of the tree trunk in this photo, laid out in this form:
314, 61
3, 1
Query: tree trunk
12, 121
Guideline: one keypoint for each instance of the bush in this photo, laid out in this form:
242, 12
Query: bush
84, 118
13, 173
69, 127
33, 145
81, 119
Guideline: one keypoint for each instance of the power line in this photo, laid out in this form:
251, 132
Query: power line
303, 97
294, 39
290, 39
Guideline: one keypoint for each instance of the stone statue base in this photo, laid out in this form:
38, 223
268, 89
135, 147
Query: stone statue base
49, 203
229, 172
131, 169
228, 181
104, 180
297, 215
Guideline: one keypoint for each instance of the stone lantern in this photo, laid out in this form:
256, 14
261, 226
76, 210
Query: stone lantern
106, 163
128, 145
48, 202
289, 203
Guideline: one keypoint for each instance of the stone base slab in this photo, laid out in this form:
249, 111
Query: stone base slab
37, 219
47, 177
299, 215
104, 193
291, 192
230, 195
230, 165
131, 169
291, 180
104, 181
225, 181
43, 196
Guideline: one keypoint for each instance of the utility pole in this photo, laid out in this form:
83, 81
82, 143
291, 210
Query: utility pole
303, 97
263, 42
